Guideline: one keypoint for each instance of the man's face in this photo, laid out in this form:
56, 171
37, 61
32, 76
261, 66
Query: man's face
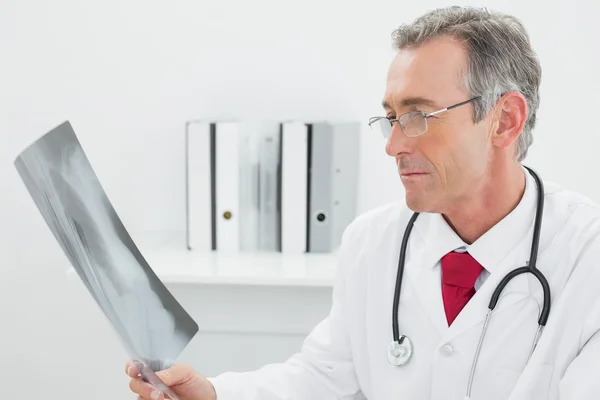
439, 168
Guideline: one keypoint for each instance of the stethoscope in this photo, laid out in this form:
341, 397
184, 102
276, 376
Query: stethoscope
401, 349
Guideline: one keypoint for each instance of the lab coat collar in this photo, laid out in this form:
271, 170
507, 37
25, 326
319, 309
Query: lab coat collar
494, 245
438, 239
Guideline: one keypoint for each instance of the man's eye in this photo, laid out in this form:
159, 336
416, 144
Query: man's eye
390, 117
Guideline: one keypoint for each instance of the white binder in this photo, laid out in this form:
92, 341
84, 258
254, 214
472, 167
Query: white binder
294, 200
198, 185
226, 219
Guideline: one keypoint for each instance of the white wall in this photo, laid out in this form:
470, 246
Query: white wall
127, 74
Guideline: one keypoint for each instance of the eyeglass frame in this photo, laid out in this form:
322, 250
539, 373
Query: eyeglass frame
372, 120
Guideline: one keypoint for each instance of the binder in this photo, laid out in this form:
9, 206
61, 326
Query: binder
225, 175
249, 166
198, 185
319, 215
293, 186
212, 185
332, 181
345, 157
269, 215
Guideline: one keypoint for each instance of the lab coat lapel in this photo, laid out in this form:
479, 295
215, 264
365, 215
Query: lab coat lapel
426, 281
430, 239
473, 314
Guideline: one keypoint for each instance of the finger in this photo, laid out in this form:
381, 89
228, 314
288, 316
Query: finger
131, 370
145, 390
176, 374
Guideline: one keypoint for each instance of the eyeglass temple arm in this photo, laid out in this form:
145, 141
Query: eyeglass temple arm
451, 107
372, 120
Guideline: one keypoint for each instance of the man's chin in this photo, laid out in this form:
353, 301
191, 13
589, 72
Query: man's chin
414, 204
418, 203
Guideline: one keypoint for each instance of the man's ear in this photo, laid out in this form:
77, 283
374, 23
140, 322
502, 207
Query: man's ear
509, 119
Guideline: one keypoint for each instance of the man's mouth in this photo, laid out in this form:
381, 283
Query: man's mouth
412, 174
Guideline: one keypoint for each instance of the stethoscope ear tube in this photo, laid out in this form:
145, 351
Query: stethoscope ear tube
547, 303
401, 259
531, 265
537, 227
545, 288
502, 284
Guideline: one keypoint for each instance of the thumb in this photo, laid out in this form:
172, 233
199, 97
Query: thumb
177, 374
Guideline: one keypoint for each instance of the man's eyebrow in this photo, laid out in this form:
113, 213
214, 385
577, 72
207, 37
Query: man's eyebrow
412, 101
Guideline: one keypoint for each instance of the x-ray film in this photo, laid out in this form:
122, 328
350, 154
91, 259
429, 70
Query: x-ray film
151, 324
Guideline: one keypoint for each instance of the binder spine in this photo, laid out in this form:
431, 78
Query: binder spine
227, 187
294, 184
197, 185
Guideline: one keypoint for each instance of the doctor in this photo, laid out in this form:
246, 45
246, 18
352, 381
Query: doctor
462, 95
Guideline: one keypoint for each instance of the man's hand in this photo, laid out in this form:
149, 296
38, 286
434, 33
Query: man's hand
182, 380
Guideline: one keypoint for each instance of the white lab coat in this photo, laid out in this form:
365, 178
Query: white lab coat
345, 356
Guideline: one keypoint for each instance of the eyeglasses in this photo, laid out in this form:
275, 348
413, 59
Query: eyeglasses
413, 123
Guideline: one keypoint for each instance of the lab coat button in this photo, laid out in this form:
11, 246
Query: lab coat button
447, 349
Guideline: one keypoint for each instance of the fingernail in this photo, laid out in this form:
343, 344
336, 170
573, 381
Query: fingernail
131, 369
155, 395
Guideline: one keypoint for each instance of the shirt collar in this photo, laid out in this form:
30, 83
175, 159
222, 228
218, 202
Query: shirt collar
491, 248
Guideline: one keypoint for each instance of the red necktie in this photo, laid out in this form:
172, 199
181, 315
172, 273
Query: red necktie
459, 273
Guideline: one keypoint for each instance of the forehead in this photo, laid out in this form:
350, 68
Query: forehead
431, 71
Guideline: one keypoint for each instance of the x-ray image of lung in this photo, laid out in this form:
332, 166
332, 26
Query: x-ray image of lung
149, 321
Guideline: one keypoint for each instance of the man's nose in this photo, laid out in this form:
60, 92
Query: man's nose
398, 142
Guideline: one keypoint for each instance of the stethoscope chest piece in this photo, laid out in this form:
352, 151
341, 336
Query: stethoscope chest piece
400, 353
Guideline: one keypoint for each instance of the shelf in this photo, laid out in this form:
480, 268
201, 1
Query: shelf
182, 266
174, 263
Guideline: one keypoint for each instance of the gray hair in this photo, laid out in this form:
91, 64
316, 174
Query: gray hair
500, 58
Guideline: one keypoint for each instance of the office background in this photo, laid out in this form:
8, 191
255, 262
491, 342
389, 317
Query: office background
128, 74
